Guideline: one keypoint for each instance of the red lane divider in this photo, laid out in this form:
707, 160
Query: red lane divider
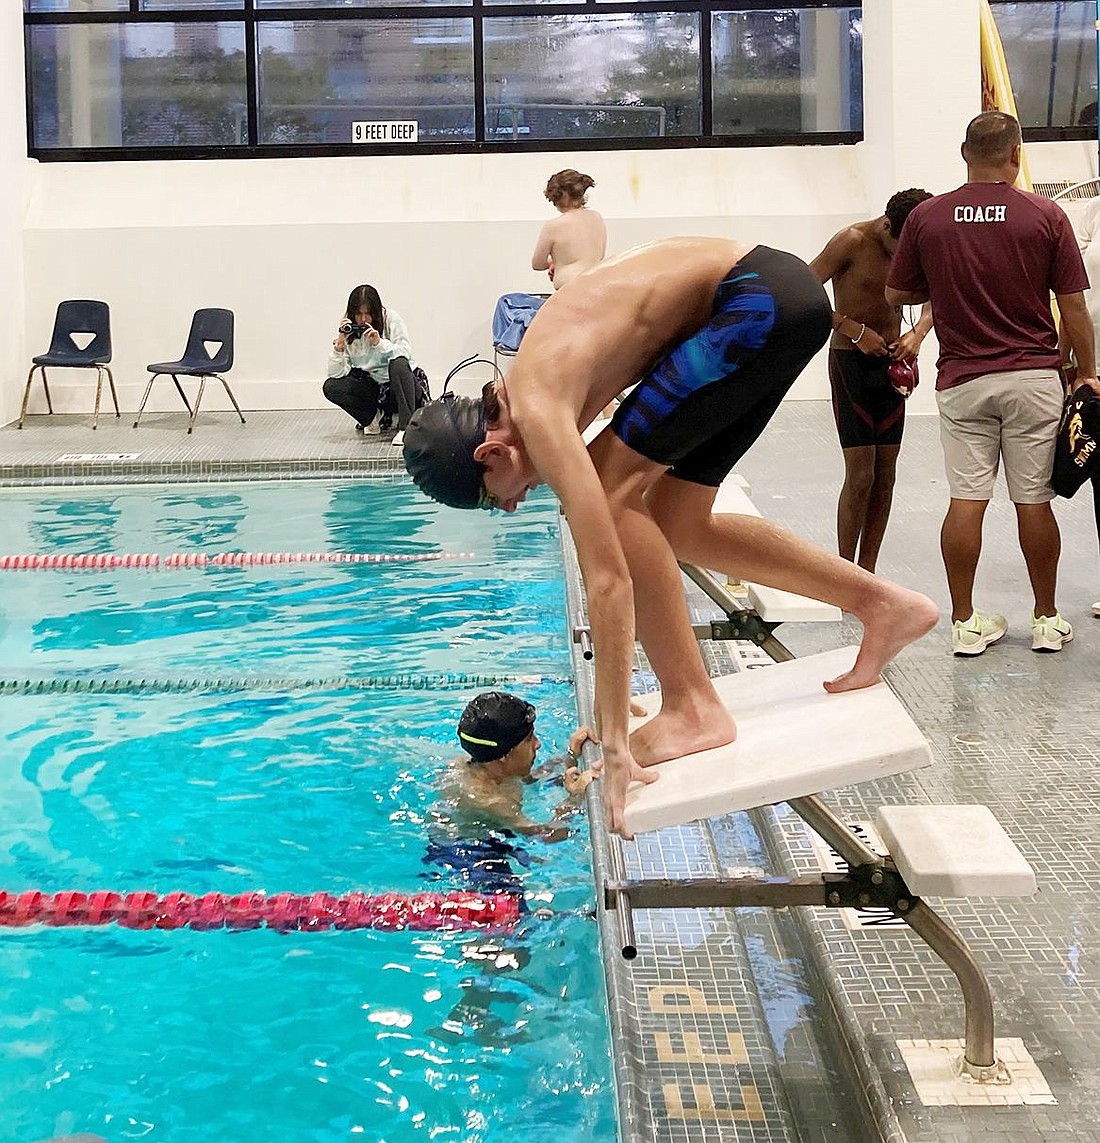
285, 912
97, 561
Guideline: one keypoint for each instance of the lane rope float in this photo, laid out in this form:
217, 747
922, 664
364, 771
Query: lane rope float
109, 561
450, 681
283, 912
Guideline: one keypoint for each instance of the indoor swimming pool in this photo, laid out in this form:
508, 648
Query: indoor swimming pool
281, 727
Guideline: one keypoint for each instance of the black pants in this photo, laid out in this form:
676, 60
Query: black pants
357, 393
401, 398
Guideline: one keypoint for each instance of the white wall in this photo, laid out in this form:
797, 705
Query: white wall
14, 189
282, 242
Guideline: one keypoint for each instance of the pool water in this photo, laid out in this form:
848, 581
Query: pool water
497, 612
253, 781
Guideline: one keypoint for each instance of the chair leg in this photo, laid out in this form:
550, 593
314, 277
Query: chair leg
26, 396
229, 391
198, 402
183, 395
46, 386
114, 394
98, 395
145, 397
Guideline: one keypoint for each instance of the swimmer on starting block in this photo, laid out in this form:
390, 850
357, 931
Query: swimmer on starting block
713, 332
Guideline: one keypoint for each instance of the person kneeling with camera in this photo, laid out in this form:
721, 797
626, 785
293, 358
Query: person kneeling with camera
371, 372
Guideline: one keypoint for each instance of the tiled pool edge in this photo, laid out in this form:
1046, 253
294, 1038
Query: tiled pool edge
635, 1107
275, 444
693, 1056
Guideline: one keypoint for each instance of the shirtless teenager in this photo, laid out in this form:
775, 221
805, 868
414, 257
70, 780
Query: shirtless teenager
869, 413
713, 332
577, 239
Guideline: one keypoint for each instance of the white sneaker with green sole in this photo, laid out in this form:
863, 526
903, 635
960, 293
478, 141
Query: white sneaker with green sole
1050, 633
972, 636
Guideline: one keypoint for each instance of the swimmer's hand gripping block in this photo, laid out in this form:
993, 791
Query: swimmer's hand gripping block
793, 739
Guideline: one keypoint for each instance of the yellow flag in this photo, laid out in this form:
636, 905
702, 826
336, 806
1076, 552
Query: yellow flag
996, 84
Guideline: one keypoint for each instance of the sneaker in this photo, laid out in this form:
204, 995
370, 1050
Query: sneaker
398, 437
372, 430
1096, 609
1050, 633
972, 636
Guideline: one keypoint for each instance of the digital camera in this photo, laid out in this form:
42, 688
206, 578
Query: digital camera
353, 331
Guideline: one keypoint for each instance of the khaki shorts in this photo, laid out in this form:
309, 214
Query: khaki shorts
1010, 415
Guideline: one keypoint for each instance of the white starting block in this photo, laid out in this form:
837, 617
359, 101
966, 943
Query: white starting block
771, 604
793, 739
954, 851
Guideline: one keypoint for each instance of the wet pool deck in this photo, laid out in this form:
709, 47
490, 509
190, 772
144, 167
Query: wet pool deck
1013, 730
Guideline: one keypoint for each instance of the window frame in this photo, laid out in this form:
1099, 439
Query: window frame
477, 11
1050, 134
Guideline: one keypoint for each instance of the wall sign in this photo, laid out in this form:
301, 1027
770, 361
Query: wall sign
385, 131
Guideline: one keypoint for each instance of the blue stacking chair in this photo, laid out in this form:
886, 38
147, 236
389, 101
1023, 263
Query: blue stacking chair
80, 318
209, 353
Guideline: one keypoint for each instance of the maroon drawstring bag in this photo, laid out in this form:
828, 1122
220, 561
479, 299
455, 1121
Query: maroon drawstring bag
903, 376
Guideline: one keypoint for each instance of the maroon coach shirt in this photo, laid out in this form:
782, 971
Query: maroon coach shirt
989, 256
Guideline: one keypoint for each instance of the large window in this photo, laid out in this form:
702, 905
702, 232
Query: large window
146, 78
317, 80
787, 72
137, 85
1050, 48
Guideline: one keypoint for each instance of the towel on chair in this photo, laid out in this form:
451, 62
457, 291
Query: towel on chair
511, 318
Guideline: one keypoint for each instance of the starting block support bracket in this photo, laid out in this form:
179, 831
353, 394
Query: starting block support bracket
745, 625
740, 622
870, 881
817, 815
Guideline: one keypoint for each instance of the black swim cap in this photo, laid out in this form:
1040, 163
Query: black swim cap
494, 723
439, 449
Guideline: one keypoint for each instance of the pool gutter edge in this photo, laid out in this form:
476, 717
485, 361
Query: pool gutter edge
635, 1109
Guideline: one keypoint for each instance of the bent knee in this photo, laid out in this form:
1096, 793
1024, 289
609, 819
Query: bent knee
681, 521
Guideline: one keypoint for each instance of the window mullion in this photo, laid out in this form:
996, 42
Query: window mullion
478, 43
251, 74
706, 74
